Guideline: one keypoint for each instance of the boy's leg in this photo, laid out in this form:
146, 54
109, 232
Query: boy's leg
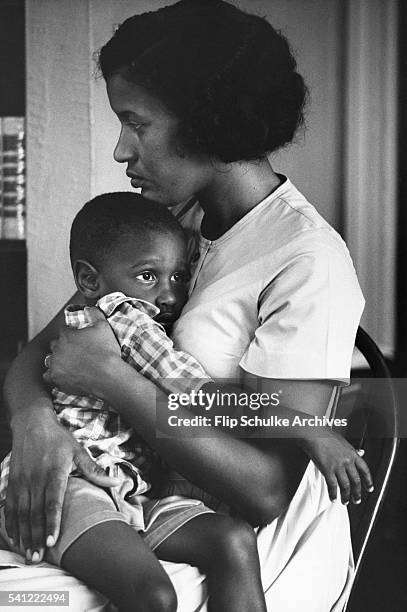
99, 547
225, 549
112, 558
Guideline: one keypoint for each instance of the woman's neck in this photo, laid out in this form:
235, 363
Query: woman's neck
236, 188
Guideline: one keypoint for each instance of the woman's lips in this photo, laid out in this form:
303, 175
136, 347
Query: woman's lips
135, 179
137, 182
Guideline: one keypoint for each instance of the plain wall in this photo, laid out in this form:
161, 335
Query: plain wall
72, 132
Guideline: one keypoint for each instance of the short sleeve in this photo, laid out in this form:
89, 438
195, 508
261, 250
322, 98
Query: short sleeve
308, 317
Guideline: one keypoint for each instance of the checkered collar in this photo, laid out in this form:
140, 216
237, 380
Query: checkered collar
110, 302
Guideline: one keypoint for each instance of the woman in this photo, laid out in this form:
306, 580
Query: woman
204, 92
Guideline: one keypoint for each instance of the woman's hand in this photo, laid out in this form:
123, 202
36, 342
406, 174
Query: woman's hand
43, 455
80, 359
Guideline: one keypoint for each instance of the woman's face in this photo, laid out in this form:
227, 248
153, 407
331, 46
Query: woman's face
156, 163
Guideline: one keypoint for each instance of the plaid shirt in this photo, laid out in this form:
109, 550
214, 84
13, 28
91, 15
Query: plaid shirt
95, 424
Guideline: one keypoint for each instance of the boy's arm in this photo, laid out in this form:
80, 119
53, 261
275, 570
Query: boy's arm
148, 349
336, 459
339, 463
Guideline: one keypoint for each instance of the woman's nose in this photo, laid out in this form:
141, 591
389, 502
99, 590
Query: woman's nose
124, 149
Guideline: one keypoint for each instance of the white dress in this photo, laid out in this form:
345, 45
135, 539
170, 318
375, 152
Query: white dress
276, 296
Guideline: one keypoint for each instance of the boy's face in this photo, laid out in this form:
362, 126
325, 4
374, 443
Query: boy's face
153, 267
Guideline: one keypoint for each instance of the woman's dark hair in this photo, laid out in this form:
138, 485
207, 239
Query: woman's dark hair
228, 76
109, 218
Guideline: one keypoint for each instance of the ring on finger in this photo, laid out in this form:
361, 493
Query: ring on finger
47, 360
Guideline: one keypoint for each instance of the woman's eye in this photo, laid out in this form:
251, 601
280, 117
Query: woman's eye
135, 126
146, 277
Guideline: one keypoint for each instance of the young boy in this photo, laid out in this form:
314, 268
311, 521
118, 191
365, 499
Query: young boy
129, 257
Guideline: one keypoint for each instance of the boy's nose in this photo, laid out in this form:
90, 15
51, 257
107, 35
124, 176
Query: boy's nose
166, 297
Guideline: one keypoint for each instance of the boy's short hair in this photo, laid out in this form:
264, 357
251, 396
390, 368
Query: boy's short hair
111, 217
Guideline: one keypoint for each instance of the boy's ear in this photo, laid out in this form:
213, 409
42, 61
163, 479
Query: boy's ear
87, 279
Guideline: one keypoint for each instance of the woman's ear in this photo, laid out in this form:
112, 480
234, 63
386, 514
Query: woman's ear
87, 279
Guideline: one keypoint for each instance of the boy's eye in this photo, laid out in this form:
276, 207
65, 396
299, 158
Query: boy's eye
180, 277
147, 277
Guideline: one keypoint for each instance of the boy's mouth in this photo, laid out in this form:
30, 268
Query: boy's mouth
166, 319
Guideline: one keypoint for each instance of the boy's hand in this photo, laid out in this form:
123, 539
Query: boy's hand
340, 464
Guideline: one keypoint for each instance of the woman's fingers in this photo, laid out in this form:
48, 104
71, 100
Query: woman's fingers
24, 522
37, 523
11, 515
54, 500
56, 488
36, 488
40, 509
79, 357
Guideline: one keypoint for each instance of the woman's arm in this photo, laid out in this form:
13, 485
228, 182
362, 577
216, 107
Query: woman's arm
234, 470
23, 385
257, 479
267, 467
43, 451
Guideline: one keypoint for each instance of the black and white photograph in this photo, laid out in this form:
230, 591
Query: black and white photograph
203, 305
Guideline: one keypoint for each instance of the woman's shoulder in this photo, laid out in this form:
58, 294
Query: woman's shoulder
292, 213
286, 224
298, 245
